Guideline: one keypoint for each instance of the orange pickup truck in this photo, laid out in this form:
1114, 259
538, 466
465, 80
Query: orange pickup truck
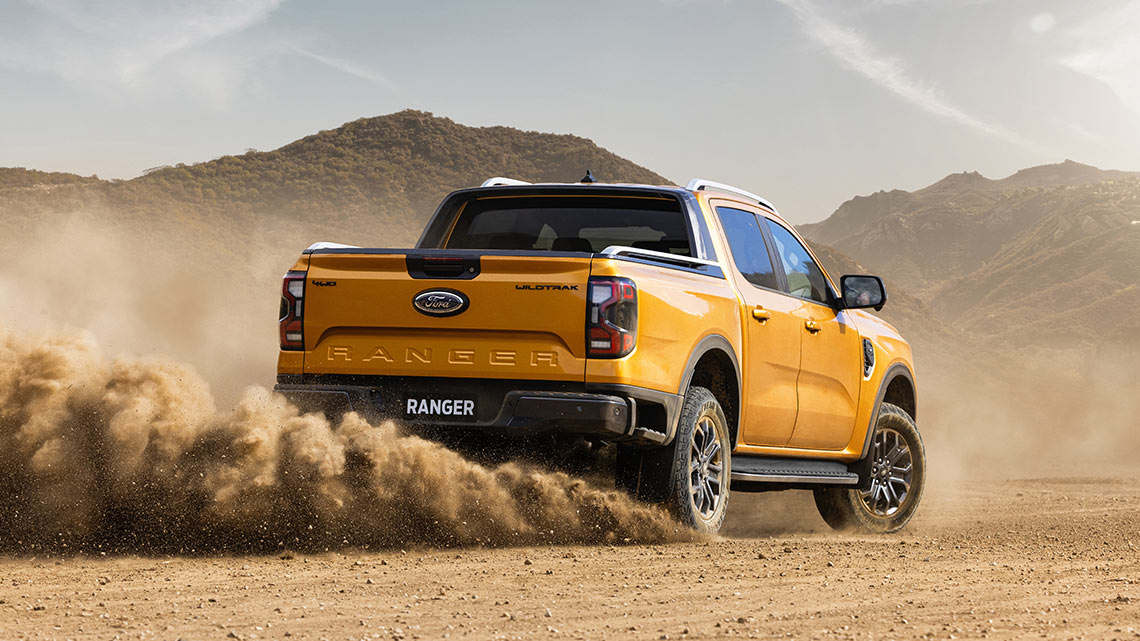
692, 327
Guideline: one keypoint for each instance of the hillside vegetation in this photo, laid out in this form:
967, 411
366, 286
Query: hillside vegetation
371, 181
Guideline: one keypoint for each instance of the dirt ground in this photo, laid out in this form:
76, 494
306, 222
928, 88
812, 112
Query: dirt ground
1000, 560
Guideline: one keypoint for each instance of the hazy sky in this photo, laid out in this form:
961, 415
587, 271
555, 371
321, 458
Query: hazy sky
805, 101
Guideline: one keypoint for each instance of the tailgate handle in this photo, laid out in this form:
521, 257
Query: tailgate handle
436, 267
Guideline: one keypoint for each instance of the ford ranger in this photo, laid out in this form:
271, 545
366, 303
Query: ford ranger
691, 327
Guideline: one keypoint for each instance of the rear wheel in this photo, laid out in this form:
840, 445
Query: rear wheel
690, 476
898, 475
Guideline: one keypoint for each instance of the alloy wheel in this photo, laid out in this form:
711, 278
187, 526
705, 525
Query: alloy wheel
707, 473
892, 472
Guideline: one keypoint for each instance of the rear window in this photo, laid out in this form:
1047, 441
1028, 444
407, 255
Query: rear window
572, 223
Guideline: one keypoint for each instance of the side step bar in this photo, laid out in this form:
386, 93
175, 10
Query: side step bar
757, 469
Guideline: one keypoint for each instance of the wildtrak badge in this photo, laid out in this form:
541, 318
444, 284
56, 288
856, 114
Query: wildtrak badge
547, 287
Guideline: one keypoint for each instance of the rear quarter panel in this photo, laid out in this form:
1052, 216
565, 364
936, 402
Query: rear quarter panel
676, 310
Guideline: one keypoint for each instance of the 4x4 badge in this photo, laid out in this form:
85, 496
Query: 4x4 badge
440, 302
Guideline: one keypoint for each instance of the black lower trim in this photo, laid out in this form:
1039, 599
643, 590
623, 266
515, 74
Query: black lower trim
758, 473
655, 413
896, 370
576, 413
716, 342
508, 407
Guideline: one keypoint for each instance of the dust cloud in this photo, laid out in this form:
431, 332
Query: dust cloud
1029, 418
205, 293
132, 455
188, 294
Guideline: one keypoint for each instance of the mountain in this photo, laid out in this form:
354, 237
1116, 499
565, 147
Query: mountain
1046, 258
1064, 174
16, 178
949, 229
373, 180
398, 166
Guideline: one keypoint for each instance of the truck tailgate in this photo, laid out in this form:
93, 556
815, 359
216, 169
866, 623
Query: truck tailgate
524, 316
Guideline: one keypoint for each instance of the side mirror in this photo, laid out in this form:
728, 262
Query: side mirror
860, 292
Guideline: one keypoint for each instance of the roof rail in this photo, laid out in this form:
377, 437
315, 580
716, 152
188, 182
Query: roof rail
500, 181
697, 184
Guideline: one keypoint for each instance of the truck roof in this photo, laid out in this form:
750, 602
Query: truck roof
693, 186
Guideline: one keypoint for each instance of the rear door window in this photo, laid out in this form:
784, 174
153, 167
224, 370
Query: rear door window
749, 251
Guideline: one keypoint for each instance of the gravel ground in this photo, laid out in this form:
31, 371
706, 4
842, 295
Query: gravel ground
1024, 559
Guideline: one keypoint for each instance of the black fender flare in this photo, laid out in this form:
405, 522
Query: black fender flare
712, 342
893, 372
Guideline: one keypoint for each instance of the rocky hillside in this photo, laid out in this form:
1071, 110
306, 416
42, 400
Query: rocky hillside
1048, 257
952, 227
371, 181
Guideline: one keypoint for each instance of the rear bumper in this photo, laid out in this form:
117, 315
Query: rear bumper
512, 408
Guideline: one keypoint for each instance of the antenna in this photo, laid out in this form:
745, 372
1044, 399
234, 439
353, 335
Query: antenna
588, 178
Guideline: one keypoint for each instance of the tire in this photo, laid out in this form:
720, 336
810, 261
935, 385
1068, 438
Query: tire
690, 476
896, 488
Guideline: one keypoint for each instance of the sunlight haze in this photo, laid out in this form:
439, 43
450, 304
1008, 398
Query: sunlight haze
808, 102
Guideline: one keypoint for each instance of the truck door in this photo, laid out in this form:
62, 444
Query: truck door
830, 351
771, 332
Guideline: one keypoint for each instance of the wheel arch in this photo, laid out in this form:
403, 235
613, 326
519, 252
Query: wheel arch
896, 388
713, 365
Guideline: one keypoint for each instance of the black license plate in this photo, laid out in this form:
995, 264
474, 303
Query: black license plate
439, 407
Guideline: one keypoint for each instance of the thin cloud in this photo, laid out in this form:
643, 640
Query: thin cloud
855, 53
940, 4
347, 67
118, 43
1106, 47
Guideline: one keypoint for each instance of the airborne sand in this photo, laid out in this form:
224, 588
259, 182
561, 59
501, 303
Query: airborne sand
132, 456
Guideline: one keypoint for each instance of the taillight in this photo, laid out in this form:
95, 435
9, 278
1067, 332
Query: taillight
292, 316
611, 317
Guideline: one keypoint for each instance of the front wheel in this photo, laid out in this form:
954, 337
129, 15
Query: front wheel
898, 476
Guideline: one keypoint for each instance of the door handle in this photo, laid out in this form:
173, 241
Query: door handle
812, 326
761, 314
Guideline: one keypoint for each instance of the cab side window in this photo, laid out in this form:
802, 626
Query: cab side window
805, 279
749, 252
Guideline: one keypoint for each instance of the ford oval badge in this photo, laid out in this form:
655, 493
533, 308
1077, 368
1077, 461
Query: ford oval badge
440, 302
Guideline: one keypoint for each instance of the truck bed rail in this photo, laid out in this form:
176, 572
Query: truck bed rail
664, 257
